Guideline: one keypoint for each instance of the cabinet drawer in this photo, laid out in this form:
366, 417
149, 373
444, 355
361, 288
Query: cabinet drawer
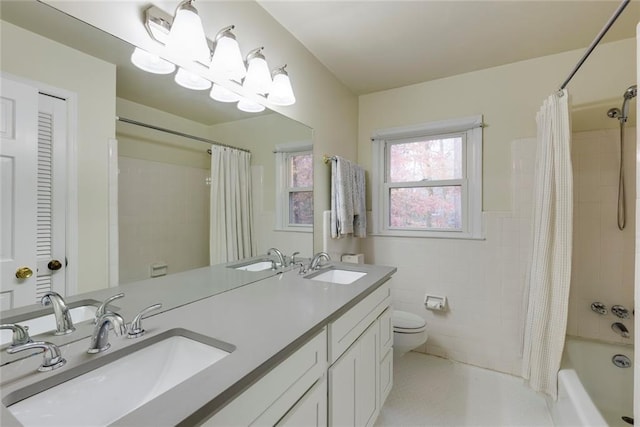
266, 401
386, 331
344, 331
386, 376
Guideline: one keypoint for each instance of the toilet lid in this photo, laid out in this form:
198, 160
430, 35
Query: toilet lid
404, 320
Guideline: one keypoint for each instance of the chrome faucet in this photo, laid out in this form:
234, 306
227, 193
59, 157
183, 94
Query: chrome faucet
100, 336
135, 329
293, 258
102, 310
64, 324
51, 357
620, 329
20, 334
278, 254
315, 261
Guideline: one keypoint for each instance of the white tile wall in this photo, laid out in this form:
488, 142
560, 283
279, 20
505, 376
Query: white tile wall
603, 256
163, 217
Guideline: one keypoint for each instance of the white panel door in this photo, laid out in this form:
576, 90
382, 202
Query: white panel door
18, 192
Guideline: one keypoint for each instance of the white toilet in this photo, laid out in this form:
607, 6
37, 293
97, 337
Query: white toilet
409, 332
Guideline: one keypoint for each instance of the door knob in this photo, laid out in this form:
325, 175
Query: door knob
54, 265
24, 273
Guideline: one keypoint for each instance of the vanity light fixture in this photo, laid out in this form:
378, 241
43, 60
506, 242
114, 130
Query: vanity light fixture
249, 106
227, 60
222, 94
183, 38
189, 80
258, 79
281, 92
151, 63
186, 37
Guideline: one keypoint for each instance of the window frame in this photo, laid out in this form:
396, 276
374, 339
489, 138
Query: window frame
283, 153
470, 128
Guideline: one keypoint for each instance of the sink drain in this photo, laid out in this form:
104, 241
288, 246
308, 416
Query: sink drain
628, 420
621, 361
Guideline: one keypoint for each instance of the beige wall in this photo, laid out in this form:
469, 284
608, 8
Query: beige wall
95, 126
143, 143
508, 96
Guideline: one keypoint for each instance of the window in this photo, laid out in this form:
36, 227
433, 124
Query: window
428, 180
294, 187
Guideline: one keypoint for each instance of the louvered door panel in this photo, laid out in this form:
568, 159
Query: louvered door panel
44, 249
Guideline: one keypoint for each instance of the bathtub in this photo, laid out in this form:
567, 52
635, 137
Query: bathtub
592, 391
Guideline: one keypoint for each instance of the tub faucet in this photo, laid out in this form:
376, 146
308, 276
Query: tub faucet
278, 254
100, 336
315, 261
64, 325
620, 329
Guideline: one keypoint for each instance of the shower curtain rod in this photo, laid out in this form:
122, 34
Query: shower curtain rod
595, 41
184, 135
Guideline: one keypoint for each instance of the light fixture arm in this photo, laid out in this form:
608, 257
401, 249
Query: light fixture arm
279, 70
226, 32
255, 53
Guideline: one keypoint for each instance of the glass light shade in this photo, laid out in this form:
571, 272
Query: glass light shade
249, 106
258, 79
227, 61
189, 80
281, 92
151, 63
222, 94
186, 38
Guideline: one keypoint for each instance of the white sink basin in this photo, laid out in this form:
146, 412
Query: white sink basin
257, 266
342, 277
106, 394
47, 323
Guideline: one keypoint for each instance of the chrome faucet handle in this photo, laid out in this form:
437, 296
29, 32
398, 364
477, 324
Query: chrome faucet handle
135, 329
102, 309
620, 311
620, 329
100, 336
64, 324
20, 334
51, 357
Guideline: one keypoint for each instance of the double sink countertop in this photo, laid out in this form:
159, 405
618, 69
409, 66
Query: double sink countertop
266, 316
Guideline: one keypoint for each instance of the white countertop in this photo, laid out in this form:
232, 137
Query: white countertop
266, 320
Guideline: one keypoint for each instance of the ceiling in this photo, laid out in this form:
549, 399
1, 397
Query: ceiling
373, 45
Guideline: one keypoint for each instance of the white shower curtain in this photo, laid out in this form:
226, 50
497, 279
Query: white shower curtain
231, 213
550, 271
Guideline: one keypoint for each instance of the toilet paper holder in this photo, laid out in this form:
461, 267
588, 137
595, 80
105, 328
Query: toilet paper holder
434, 302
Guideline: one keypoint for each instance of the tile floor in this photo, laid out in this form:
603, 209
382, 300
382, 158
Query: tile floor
431, 391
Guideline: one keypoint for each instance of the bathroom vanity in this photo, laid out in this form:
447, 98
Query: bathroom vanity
300, 350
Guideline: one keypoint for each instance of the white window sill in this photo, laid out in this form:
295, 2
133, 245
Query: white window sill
295, 229
428, 235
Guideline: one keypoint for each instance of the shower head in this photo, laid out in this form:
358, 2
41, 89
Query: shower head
631, 92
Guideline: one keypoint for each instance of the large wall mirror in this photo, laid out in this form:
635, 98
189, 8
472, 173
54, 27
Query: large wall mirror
163, 210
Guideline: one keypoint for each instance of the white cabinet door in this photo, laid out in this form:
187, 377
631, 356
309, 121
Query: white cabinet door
311, 410
353, 382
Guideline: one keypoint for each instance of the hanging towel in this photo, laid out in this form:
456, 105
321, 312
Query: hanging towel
359, 204
348, 208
